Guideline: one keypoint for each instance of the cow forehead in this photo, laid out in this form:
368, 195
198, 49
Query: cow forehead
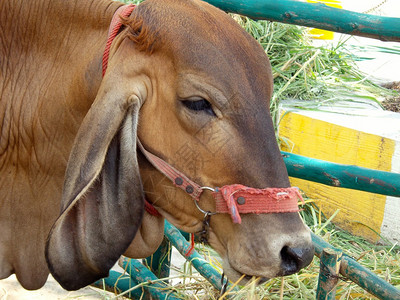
202, 39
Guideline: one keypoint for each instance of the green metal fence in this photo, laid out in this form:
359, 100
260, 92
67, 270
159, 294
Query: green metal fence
344, 176
347, 267
316, 15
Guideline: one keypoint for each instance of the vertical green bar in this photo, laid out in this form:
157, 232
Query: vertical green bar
160, 261
328, 274
156, 289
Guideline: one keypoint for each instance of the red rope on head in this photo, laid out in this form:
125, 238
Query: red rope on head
191, 248
123, 11
151, 209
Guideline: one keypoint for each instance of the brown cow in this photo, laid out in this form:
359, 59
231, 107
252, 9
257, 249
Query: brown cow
201, 87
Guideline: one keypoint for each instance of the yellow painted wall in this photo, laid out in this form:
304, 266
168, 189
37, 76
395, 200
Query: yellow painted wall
323, 140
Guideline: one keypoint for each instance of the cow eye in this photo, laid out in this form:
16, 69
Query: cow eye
199, 104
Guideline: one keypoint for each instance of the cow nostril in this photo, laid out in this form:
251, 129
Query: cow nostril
289, 262
294, 259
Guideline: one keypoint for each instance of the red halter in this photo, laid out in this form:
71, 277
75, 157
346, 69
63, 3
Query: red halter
234, 199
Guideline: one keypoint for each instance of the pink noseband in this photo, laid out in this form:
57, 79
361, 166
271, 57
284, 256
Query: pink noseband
238, 199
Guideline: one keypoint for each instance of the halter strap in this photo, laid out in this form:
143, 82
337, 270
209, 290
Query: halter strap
177, 177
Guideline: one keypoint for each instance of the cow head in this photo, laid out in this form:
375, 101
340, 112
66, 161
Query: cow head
186, 80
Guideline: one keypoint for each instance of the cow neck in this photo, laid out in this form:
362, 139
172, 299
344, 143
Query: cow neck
232, 199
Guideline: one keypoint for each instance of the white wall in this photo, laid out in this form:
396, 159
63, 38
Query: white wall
391, 8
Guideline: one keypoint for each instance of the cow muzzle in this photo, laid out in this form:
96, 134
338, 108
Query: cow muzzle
264, 246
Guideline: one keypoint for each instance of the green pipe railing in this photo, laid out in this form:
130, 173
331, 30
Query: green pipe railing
153, 286
348, 268
141, 274
339, 175
315, 15
160, 261
360, 275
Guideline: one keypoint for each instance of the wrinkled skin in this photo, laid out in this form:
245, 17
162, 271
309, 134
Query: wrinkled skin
69, 135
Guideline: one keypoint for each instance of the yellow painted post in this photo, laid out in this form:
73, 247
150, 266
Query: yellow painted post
361, 213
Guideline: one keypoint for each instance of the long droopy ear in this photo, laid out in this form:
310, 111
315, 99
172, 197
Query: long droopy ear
103, 201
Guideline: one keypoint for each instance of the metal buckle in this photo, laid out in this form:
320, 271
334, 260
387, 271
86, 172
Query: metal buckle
206, 224
206, 220
207, 188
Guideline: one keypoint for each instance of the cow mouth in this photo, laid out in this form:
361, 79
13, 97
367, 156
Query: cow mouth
235, 275
232, 273
258, 280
